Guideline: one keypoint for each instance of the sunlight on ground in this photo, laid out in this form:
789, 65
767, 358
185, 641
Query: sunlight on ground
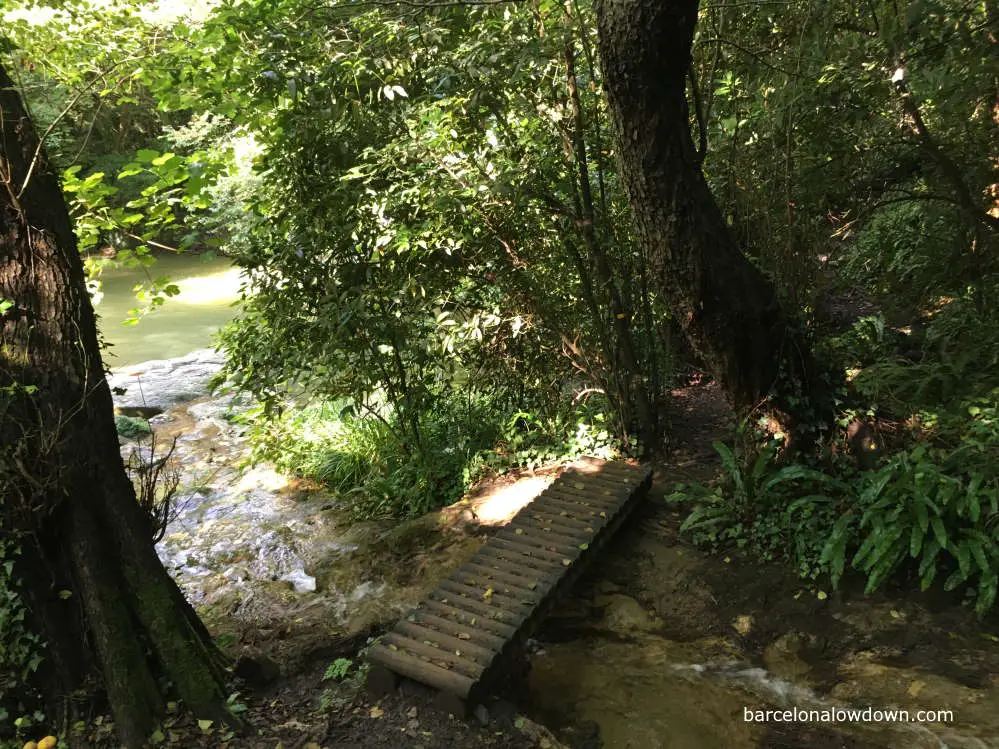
496, 500
499, 504
260, 478
588, 465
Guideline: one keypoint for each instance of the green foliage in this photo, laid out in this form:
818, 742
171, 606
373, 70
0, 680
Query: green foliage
935, 507
931, 510
401, 188
957, 360
366, 460
777, 512
22, 650
131, 428
348, 678
909, 254
106, 113
338, 669
810, 138
867, 341
421, 226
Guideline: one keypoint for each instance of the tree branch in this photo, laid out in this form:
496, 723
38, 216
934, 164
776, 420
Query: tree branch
948, 168
745, 50
702, 129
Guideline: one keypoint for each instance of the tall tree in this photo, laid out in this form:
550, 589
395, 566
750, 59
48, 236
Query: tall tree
96, 592
728, 309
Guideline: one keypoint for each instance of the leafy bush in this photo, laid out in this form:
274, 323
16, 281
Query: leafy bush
338, 669
22, 650
932, 509
907, 254
368, 461
935, 507
348, 677
755, 509
867, 341
959, 359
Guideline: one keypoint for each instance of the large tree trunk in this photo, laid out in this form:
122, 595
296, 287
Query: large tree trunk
94, 587
727, 308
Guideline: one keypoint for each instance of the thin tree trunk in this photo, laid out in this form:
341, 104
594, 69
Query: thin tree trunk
621, 318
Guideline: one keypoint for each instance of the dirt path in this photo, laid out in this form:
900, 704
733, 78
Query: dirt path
751, 635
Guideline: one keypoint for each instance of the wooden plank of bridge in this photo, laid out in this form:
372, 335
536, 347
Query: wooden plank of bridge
462, 637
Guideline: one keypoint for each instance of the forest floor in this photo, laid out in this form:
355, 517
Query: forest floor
652, 594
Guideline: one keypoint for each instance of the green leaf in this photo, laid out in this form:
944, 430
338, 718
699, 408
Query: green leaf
730, 463
956, 578
161, 160
979, 554
130, 170
939, 531
916, 541
927, 577
797, 472
986, 594
963, 559
865, 550
931, 550
922, 517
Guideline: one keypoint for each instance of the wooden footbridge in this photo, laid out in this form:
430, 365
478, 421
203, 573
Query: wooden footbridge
463, 636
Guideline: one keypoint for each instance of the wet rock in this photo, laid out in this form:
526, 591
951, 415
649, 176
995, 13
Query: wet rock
783, 656
481, 714
138, 412
540, 734
673, 582
503, 711
624, 615
743, 624
302, 582
164, 383
258, 670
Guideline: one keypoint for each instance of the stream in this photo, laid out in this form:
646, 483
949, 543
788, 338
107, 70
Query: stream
208, 290
270, 562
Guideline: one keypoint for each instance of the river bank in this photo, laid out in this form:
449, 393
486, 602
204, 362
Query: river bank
661, 646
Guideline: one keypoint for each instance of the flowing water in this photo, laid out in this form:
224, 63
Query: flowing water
208, 290
648, 692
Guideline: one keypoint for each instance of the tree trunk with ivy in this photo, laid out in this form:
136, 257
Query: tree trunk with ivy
727, 308
111, 619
